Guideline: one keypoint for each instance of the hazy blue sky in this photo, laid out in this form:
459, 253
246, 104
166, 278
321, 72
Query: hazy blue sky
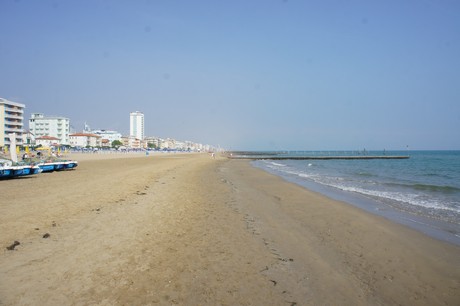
242, 74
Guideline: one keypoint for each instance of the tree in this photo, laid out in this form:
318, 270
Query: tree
116, 143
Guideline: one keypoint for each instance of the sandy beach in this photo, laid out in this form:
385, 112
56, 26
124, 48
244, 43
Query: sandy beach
187, 229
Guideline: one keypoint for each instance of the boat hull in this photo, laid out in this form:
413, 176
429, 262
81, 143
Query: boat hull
58, 166
6, 173
18, 171
46, 167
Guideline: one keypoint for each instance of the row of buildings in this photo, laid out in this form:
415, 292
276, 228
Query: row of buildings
56, 131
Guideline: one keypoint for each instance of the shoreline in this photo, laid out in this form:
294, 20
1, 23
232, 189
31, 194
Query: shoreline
438, 229
190, 229
349, 240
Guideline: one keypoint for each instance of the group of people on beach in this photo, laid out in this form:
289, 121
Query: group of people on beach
39, 154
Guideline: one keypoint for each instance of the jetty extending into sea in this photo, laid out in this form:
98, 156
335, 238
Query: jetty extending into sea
278, 156
319, 157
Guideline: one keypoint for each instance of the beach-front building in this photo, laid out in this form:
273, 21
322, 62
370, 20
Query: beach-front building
11, 121
111, 136
192, 146
59, 127
105, 143
28, 138
168, 143
136, 125
47, 141
131, 142
84, 140
152, 142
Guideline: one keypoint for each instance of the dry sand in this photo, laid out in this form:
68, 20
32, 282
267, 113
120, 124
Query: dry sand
192, 230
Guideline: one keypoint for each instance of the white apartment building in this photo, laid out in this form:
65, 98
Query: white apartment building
109, 135
47, 141
168, 143
84, 140
11, 121
136, 125
58, 127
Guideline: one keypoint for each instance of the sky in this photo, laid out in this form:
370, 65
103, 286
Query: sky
242, 74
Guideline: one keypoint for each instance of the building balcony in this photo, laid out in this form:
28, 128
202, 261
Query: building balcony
14, 109
18, 142
13, 130
13, 125
9, 115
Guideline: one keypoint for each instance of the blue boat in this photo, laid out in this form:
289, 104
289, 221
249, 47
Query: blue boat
5, 172
47, 166
8, 170
70, 164
35, 170
21, 170
59, 166
50, 166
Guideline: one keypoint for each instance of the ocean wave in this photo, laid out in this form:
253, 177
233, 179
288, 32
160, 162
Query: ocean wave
426, 187
276, 164
365, 174
425, 196
409, 198
436, 188
445, 176
306, 175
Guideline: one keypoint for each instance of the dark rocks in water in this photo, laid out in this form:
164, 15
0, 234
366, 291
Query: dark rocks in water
11, 247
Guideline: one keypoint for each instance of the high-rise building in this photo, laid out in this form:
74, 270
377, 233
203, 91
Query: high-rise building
58, 127
11, 121
136, 125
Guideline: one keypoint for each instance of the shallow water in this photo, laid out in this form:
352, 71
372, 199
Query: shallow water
422, 191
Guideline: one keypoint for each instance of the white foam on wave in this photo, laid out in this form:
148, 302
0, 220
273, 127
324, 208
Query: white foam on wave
276, 164
273, 165
410, 198
311, 176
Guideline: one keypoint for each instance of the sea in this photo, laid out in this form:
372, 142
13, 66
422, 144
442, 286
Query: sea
422, 192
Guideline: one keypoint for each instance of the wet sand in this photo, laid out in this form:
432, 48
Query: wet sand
187, 229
